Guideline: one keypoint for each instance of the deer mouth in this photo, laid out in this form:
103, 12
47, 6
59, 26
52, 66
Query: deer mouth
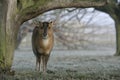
45, 34
44, 37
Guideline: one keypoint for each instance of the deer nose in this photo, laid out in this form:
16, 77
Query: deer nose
44, 34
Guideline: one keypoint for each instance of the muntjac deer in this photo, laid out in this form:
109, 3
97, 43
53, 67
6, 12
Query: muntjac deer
42, 43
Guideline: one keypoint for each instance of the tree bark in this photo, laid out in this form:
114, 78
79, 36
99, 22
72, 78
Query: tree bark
3, 9
117, 24
8, 31
41, 6
116, 17
15, 12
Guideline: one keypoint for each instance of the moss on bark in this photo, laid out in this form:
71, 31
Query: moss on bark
2, 34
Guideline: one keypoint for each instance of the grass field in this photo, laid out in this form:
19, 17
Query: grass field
68, 65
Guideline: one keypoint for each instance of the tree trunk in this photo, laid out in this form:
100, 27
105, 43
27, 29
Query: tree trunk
3, 9
15, 12
114, 11
117, 25
11, 32
8, 33
115, 14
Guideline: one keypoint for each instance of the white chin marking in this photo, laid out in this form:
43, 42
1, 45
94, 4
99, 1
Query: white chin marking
45, 42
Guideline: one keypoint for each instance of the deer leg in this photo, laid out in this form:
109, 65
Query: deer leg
39, 68
43, 61
46, 61
36, 64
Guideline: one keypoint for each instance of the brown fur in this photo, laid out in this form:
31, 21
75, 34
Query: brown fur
42, 47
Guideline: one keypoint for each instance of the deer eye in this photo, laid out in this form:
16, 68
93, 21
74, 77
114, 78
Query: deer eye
37, 26
49, 27
41, 28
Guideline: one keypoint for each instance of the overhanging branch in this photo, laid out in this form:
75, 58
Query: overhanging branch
30, 12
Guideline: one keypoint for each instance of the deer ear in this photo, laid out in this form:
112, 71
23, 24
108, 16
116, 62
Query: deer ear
52, 23
40, 23
35, 23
